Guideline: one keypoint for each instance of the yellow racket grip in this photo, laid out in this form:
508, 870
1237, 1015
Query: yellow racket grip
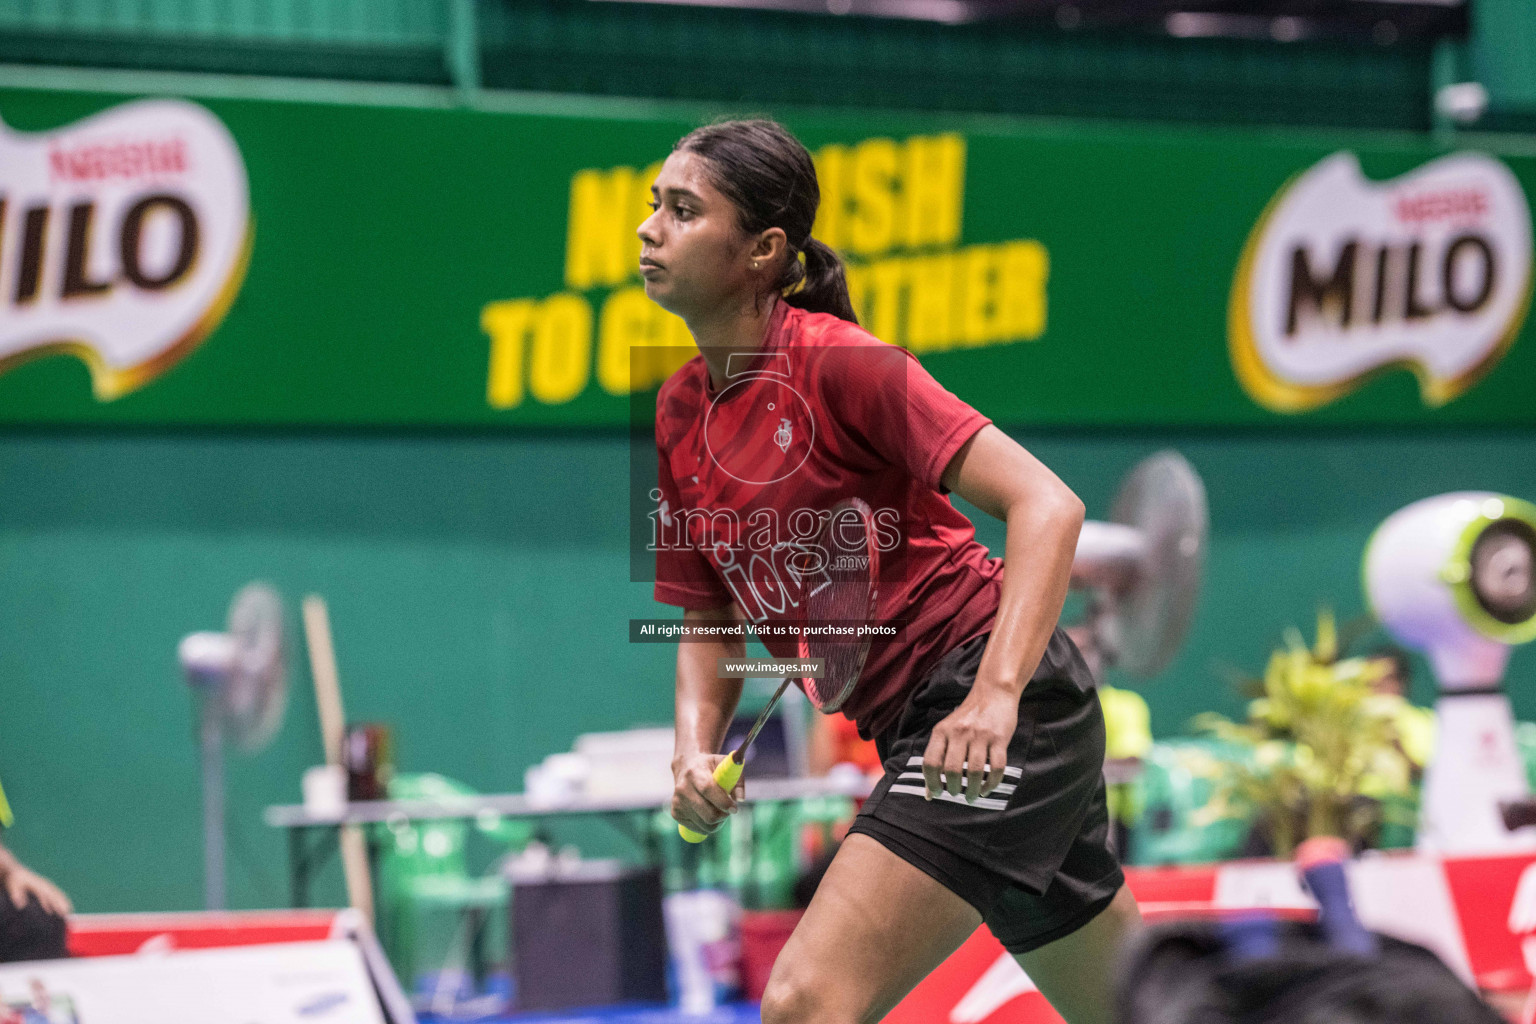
727, 774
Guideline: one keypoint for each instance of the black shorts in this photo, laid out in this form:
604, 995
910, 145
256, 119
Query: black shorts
1033, 857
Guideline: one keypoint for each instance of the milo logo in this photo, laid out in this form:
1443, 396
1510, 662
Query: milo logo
123, 239
1343, 278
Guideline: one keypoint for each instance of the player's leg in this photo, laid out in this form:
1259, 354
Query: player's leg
875, 928
1071, 972
1067, 929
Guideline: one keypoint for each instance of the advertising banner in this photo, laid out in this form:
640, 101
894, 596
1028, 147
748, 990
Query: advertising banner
287, 982
239, 262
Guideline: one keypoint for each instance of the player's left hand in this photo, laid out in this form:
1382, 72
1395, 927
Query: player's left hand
22, 884
971, 743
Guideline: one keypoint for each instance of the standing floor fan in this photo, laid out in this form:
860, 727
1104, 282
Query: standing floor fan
239, 680
1142, 569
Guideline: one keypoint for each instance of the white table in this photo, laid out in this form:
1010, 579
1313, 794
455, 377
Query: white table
304, 856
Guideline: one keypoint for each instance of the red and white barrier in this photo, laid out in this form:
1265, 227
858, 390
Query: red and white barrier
216, 964
121, 934
1477, 913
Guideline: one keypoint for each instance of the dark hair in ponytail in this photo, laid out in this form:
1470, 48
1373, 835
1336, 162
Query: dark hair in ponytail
768, 176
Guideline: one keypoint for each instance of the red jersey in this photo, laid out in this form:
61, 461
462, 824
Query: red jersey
821, 412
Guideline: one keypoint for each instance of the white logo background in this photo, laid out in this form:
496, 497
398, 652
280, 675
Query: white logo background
115, 160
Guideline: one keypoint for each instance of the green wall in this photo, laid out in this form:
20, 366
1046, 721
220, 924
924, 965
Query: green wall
742, 57
478, 589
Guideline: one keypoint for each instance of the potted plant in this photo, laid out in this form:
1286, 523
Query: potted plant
1322, 754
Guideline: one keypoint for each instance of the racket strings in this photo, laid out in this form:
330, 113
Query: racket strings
835, 608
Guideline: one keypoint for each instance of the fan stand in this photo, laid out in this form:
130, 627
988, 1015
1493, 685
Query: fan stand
211, 741
237, 679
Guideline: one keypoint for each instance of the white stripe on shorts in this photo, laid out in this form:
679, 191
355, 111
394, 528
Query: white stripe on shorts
985, 803
1003, 788
1008, 773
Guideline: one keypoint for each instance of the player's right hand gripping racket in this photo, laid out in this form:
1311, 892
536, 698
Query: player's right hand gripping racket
840, 592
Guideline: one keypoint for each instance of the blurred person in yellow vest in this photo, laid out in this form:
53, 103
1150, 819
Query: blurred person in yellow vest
32, 909
1127, 739
1127, 724
1392, 778
1415, 725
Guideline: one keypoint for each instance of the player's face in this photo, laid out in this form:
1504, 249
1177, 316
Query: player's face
694, 256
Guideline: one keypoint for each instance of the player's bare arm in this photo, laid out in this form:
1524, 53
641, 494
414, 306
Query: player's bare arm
705, 704
998, 476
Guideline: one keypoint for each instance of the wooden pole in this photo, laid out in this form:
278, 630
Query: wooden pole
333, 725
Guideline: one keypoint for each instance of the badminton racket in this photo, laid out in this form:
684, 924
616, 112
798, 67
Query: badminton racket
840, 570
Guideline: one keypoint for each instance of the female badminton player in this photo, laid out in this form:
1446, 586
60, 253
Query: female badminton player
992, 805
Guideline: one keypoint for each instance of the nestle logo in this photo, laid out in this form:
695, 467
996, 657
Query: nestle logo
1446, 204
102, 161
